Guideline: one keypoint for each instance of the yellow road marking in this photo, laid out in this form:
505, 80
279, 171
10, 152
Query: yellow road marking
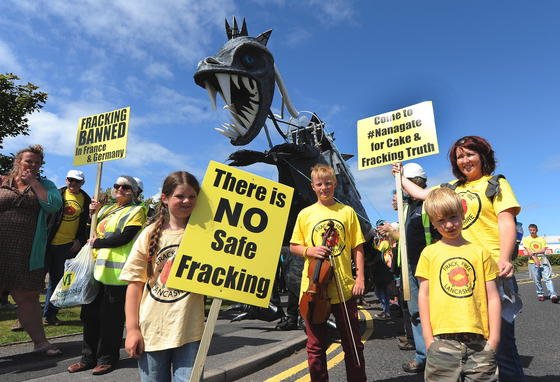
332, 362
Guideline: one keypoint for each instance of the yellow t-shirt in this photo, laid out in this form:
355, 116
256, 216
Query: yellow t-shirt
481, 215
169, 318
457, 279
73, 207
535, 244
310, 225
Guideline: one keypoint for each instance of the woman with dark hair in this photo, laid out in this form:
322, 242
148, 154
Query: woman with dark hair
118, 225
490, 209
26, 198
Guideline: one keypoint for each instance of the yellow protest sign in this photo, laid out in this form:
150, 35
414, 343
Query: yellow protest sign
232, 242
396, 136
102, 137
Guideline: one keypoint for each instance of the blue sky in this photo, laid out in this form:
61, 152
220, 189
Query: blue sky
490, 68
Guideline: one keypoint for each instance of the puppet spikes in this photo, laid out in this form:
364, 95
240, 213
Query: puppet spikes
235, 30
244, 29
263, 37
228, 30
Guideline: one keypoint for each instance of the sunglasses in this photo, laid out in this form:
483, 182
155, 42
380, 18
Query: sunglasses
125, 187
70, 180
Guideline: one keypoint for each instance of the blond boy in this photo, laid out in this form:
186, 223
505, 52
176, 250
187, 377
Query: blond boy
458, 298
307, 241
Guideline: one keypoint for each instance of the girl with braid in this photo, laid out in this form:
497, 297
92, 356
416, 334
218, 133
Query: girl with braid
164, 326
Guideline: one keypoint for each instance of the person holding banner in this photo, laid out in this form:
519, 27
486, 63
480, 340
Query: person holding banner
26, 199
308, 241
490, 210
419, 233
163, 326
117, 226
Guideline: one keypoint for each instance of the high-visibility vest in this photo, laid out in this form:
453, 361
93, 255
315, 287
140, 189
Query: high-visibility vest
110, 261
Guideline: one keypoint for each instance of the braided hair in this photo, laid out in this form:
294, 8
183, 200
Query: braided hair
162, 212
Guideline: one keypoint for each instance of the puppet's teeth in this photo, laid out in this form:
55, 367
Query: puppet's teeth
212, 94
223, 80
237, 127
235, 80
246, 82
249, 115
226, 133
232, 129
241, 118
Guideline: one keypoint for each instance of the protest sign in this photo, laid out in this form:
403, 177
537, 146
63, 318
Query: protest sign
102, 137
396, 136
232, 242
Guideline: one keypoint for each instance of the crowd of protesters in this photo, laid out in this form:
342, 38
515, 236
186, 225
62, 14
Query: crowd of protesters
43, 226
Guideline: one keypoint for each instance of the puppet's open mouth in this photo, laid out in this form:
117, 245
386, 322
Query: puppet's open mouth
243, 109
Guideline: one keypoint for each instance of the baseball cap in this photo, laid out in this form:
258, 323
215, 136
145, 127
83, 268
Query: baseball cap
413, 170
76, 174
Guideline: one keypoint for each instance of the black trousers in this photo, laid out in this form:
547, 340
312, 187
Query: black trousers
103, 326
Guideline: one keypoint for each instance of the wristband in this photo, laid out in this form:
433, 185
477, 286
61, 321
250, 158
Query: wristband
305, 251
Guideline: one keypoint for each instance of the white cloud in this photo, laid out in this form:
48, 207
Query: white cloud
140, 28
8, 60
333, 10
158, 70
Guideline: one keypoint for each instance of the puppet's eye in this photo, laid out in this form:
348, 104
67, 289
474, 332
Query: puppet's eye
248, 60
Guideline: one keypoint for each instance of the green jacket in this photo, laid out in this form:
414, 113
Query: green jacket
50, 206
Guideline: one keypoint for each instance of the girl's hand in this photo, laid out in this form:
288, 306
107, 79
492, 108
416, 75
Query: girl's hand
91, 241
134, 343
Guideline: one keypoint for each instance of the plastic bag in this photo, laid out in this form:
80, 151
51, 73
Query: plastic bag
77, 286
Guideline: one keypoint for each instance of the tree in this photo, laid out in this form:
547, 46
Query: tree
16, 102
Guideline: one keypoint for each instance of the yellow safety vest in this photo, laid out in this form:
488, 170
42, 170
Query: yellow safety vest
110, 261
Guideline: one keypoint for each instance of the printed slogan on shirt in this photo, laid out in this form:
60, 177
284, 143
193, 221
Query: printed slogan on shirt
102, 137
232, 242
396, 136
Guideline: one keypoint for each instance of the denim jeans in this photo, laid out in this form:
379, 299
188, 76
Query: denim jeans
381, 292
55, 257
420, 355
507, 356
159, 366
542, 273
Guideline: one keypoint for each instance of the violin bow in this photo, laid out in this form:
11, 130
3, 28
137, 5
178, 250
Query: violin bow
330, 232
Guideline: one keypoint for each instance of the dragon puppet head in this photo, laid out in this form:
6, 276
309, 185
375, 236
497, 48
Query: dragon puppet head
243, 73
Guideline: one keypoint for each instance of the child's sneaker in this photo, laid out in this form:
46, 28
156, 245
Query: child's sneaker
541, 298
554, 299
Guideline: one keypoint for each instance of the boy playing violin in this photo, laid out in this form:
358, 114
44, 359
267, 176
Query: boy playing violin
344, 243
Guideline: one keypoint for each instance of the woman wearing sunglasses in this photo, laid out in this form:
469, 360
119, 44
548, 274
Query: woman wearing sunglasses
117, 226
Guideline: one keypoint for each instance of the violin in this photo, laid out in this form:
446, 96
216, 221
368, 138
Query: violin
315, 305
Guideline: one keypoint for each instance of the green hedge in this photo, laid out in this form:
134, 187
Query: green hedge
521, 261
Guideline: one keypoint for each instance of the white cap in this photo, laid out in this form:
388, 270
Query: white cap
413, 170
76, 174
140, 184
